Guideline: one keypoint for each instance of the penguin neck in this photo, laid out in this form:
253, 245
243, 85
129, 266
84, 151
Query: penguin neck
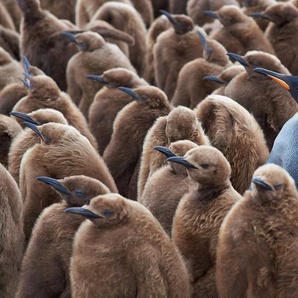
209, 192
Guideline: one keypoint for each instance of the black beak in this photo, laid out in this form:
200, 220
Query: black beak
181, 160
261, 15
26, 64
261, 183
26, 83
97, 78
166, 151
82, 211
214, 79
211, 13
207, 49
169, 16
37, 131
130, 92
238, 58
23, 116
54, 183
71, 36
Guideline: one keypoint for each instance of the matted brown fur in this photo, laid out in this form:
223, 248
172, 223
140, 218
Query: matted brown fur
45, 267
235, 132
109, 101
9, 129
124, 151
67, 153
271, 105
98, 57
166, 186
199, 216
180, 124
44, 93
12, 235
257, 249
27, 138
131, 248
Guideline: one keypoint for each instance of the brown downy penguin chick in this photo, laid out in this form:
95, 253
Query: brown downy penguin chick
173, 48
195, 9
128, 244
125, 17
95, 57
10, 42
158, 26
109, 101
236, 133
60, 9
180, 124
63, 152
240, 33
28, 138
281, 33
257, 247
123, 153
9, 129
200, 213
43, 92
191, 87
224, 78
42, 42
10, 69
45, 267
167, 185
270, 104
14, 11
12, 235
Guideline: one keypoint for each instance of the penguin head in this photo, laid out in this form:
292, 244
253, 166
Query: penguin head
229, 15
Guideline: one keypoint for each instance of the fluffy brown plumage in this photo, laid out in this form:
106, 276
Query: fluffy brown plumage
235, 132
200, 213
128, 244
257, 247
10, 42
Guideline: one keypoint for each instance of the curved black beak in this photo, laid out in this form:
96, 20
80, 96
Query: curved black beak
182, 161
261, 183
69, 35
55, 184
130, 92
82, 211
37, 131
211, 13
207, 49
97, 78
23, 116
26, 83
238, 58
169, 16
26, 64
261, 15
214, 79
166, 151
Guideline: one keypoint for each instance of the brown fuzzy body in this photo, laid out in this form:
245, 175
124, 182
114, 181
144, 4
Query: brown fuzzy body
125, 17
130, 128
99, 57
235, 132
166, 186
46, 94
68, 153
5, 18
240, 33
270, 103
14, 11
199, 216
42, 42
12, 235
109, 101
145, 9
10, 42
9, 129
256, 254
177, 7
143, 262
180, 124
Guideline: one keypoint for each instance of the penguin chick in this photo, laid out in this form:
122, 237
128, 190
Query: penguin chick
109, 101
230, 127
263, 228
43, 92
123, 153
167, 185
95, 56
62, 152
200, 213
144, 261
180, 124
45, 267
27, 138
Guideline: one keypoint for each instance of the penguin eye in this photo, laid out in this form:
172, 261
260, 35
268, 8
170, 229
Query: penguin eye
204, 165
107, 213
79, 193
83, 45
277, 186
